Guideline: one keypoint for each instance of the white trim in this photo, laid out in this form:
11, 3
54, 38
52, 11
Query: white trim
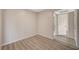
26, 38
18, 40
64, 11
46, 36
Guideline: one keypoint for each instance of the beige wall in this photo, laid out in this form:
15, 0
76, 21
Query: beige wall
18, 24
78, 28
70, 32
46, 24
0, 27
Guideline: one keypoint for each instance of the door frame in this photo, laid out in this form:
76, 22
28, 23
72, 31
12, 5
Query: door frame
58, 12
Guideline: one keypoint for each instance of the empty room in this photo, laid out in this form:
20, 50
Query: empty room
39, 29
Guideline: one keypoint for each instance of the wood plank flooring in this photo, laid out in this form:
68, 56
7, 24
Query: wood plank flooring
36, 43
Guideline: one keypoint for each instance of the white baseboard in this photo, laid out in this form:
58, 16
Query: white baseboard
17, 40
25, 38
45, 36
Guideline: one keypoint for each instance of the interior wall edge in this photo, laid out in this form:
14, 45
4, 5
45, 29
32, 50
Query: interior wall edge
0, 28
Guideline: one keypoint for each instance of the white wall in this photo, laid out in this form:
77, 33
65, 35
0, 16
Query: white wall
45, 24
18, 24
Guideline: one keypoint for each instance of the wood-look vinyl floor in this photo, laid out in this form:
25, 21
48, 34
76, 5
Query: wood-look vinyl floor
36, 43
